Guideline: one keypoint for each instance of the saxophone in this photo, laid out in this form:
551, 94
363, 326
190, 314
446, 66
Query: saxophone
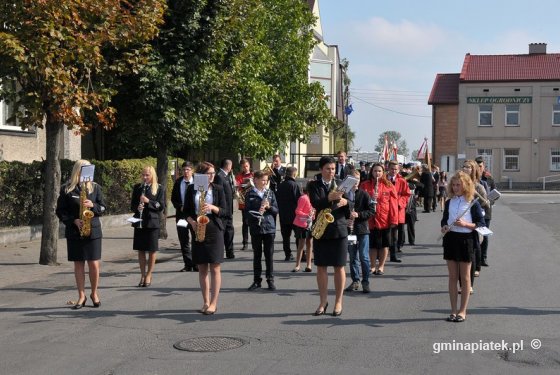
201, 219
324, 218
85, 213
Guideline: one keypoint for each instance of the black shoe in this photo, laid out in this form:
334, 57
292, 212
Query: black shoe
79, 305
186, 269
95, 304
255, 285
337, 313
395, 260
353, 287
365, 288
271, 285
320, 311
230, 256
483, 263
244, 248
289, 257
195, 269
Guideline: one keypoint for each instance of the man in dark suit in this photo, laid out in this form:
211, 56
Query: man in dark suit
224, 178
287, 196
178, 201
342, 167
278, 173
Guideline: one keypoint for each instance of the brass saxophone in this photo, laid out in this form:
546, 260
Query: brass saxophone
201, 219
324, 218
85, 213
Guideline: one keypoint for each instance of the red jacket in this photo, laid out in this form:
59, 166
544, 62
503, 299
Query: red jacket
403, 193
242, 184
386, 213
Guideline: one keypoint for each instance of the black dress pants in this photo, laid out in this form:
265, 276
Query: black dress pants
286, 230
411, 232
428, 204
245, 227
263, 243
183, 234
484, 244
228, 235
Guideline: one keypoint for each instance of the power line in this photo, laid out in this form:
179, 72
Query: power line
388, 109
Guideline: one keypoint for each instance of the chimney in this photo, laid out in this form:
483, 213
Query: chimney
537, 48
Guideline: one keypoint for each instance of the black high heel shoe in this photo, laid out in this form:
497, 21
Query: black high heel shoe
319, 312
95, 304
79, 305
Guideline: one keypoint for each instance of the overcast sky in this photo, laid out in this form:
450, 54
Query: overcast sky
397, 47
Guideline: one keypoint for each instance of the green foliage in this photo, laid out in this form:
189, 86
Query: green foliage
229, 73
21, 187
65, 56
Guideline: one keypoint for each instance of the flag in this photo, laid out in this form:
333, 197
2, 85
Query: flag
348, 109
394, 152
424, 154
384, 155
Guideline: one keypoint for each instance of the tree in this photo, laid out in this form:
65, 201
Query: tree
414, 155
392, 136
65, 56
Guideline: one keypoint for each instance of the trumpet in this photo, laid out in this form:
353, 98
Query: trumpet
415, 174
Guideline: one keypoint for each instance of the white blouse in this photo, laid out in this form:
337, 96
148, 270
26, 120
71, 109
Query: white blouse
457, 206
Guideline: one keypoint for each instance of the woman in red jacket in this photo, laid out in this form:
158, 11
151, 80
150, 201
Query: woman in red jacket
386, 216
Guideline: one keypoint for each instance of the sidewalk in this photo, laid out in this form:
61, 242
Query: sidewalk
19, 263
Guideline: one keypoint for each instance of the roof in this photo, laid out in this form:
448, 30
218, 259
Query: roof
508, 68
445, 89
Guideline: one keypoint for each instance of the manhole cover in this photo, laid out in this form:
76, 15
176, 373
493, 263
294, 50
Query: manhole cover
209, 344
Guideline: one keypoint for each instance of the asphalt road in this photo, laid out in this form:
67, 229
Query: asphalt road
399, 328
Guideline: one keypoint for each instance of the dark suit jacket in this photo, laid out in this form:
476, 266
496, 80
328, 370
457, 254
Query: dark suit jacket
223, 180
150, 214
318, 194
345, 172
68, 210
363, 205
176, 200
218, 199
287, 196
277, 178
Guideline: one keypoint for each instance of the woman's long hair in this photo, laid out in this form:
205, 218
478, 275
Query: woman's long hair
152, 171
383, 179
74, 179
466, 182
475, 171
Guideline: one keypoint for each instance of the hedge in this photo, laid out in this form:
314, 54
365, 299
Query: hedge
21, 187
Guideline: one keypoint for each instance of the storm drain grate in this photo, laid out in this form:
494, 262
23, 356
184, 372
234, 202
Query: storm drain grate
209, 344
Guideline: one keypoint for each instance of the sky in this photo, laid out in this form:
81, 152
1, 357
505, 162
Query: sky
396, 48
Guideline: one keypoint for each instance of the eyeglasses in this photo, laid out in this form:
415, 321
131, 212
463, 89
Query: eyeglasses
467, 167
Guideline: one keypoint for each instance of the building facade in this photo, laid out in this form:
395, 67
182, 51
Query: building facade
505, 108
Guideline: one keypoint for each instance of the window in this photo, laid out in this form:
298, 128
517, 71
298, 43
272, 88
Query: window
556, 114
512, 114
511, 159
555, 159
7, 112
484, 115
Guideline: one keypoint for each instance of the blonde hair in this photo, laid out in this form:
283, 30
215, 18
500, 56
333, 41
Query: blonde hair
466, 182
74, 179
152, 172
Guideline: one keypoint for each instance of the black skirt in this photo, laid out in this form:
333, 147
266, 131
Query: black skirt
80, 250
330, 252
212, 249
458, 247
146, 239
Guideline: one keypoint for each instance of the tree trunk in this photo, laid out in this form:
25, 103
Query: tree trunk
49, 234
162, 170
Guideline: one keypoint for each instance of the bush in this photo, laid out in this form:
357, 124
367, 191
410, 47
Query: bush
21, 187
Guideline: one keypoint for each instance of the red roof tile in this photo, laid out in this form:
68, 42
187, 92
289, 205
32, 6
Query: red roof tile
445, 89
493, 68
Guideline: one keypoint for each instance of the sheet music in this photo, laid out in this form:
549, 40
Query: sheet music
86, 173
494, 195
200, 182
347, 184
182, 223
133, 220
485, 231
